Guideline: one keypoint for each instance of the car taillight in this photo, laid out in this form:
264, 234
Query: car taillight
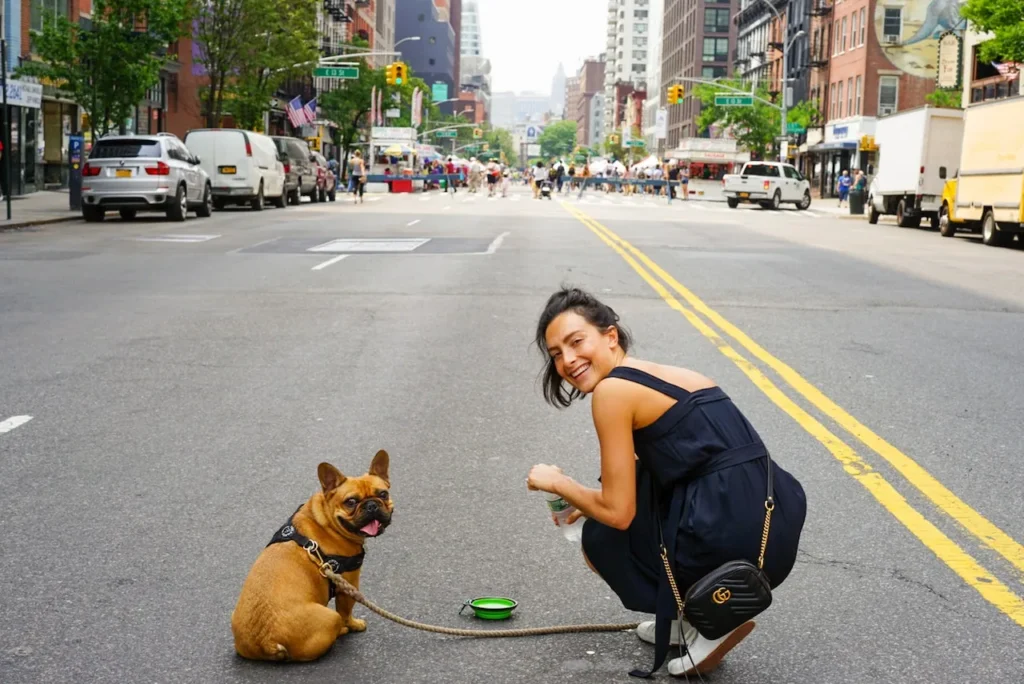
248, 149
767, 184
160, 169
287, 168
89, 170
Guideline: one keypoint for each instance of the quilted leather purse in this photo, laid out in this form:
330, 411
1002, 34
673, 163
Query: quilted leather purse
731, 594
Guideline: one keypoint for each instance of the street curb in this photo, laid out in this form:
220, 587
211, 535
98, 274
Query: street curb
38, 222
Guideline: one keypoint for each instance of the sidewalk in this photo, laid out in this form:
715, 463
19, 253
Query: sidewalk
36, 208
830, 206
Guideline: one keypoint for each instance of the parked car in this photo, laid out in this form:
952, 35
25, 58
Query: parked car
245, 167
130, 173
299, 168
768, 184
326, 180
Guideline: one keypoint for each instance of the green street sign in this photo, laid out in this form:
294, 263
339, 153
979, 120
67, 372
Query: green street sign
734, 100
336, 72
634, 143
795, 128
446, 134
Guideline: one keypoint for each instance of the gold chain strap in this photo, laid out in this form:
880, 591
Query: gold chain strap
769, 506
671, 579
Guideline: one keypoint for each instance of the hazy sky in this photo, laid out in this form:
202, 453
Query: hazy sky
526, 39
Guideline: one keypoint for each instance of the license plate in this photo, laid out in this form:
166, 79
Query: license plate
123, 173
744, 194
227, 169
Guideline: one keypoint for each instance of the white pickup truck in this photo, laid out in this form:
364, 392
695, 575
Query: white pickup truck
768, 184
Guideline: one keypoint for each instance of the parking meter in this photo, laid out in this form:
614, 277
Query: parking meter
76, 144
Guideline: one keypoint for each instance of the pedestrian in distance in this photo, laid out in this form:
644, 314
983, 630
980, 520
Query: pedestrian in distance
682, 469
843, 187
357, 172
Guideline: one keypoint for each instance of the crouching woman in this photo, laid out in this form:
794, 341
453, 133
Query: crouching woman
675, 452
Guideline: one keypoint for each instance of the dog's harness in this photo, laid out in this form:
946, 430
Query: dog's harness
338, 564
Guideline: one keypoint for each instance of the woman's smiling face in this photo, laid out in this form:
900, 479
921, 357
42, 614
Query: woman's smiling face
583, 354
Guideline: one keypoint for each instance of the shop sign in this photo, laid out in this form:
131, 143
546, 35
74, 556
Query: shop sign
948, 73
22, 94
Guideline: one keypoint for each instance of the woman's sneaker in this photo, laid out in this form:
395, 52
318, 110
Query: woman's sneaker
705, 654
645, 630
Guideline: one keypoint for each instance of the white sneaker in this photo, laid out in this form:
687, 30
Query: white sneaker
645, 630
705, 654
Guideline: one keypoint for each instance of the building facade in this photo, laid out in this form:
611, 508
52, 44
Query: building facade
697, 42
432, 57
627, 44
982, 81
590, 103
655, 95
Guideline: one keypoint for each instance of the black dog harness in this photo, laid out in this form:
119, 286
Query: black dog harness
339, 564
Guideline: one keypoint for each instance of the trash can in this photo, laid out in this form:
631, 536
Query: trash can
857, 202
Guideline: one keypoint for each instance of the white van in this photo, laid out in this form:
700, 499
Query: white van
244, 167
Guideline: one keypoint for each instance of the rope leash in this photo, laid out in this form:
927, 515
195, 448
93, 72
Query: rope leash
346, 589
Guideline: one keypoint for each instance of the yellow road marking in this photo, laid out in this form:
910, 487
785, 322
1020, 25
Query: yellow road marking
970, 519
962, 563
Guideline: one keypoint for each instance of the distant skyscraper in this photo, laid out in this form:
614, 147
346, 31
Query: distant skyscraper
558, 90
471, 46
626, 55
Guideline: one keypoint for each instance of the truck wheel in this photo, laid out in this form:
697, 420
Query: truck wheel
990, 233
904, 221
732, 202
872, 212
776, 201
946, 227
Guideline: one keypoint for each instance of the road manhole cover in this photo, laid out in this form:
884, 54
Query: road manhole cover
371, 245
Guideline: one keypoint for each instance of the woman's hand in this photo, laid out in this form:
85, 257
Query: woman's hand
543, 478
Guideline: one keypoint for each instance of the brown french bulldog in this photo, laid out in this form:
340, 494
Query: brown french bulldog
282, 613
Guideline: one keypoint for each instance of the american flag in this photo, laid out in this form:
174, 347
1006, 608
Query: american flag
1007, 67
309, 111
295, 110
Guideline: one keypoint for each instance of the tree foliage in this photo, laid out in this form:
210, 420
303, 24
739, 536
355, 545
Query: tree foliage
753, 127
248, 48
109, 66
349, 106
558, 139
1005, 20
944, 97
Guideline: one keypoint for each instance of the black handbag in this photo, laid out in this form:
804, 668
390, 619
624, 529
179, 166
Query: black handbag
731, 594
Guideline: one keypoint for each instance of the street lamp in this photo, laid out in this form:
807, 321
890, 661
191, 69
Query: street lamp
407, 38
784, 78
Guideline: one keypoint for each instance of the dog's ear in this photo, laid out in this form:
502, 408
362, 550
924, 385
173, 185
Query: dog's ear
379, 465
330, 477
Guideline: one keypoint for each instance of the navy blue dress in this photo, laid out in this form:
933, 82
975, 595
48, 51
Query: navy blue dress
705, 457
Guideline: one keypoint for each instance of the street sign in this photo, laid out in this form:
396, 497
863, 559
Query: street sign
446, 134
734, 100
795, 128
634, 143
336, 72
439, 91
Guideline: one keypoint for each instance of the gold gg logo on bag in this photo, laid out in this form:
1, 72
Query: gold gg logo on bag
721, 595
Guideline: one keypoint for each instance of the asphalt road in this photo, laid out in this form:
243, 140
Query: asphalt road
183, 389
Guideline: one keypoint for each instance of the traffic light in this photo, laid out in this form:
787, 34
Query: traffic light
400, 70
613, 139
389, 73
478, 133
676, 93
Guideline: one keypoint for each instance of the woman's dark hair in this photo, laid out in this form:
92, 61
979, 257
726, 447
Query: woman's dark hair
595, 312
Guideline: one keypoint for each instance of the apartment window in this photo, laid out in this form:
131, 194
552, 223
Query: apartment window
41, 8
639, 28
832, 104
640, 54
860, 92
853, 30
842, 31
849, 97
716, 20
640, 14
835, 31
716, 50
892, 24
863, 26
839, 99
713, 72
888, 94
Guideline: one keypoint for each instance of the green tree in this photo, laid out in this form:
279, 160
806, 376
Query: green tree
500, 140
1004, 19
806, 113
109, 66
558, 139
286, 45
248, 48
754, 127
349, 106
945, 97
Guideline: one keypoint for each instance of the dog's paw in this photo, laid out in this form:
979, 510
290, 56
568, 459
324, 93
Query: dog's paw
343, 630
357, 625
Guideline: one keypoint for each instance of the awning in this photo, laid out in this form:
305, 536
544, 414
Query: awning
834, 145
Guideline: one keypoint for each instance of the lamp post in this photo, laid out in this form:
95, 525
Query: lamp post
408, 38
784, 77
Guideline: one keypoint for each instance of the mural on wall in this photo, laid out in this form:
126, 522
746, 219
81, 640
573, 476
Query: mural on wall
919, 24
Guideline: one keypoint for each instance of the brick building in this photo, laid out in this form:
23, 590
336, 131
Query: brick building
591, 84
883, 60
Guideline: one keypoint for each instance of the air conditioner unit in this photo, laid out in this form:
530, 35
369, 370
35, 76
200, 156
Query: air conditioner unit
890, 39
886, 111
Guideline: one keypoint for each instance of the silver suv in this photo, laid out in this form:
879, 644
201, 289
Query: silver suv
133, 173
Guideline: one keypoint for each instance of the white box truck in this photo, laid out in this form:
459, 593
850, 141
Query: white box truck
917, 151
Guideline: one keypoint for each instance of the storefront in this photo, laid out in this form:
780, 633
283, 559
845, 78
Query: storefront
843, 149
24, 100
709, 158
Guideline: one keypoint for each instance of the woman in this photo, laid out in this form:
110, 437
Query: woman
358, 174
689, 440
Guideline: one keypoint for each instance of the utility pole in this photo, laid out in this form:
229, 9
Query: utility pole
7, 113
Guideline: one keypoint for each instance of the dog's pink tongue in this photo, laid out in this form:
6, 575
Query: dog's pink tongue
372, 528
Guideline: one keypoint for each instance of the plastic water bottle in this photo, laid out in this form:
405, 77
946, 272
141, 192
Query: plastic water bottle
562, 509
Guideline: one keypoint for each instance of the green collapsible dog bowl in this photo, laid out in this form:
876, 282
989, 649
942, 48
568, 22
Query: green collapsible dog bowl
491, 607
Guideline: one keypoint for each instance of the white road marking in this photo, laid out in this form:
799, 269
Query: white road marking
699, 208
177, 238
496, 243
329, 262
370, 245
413, 222
13, 422
373, 199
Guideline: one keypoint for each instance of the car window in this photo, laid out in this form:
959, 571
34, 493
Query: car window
761, 170
790, 172
114, 149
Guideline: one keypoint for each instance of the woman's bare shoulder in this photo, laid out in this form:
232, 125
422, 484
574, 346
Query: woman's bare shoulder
689, 380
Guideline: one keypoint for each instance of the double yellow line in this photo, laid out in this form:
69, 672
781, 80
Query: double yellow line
962, 563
